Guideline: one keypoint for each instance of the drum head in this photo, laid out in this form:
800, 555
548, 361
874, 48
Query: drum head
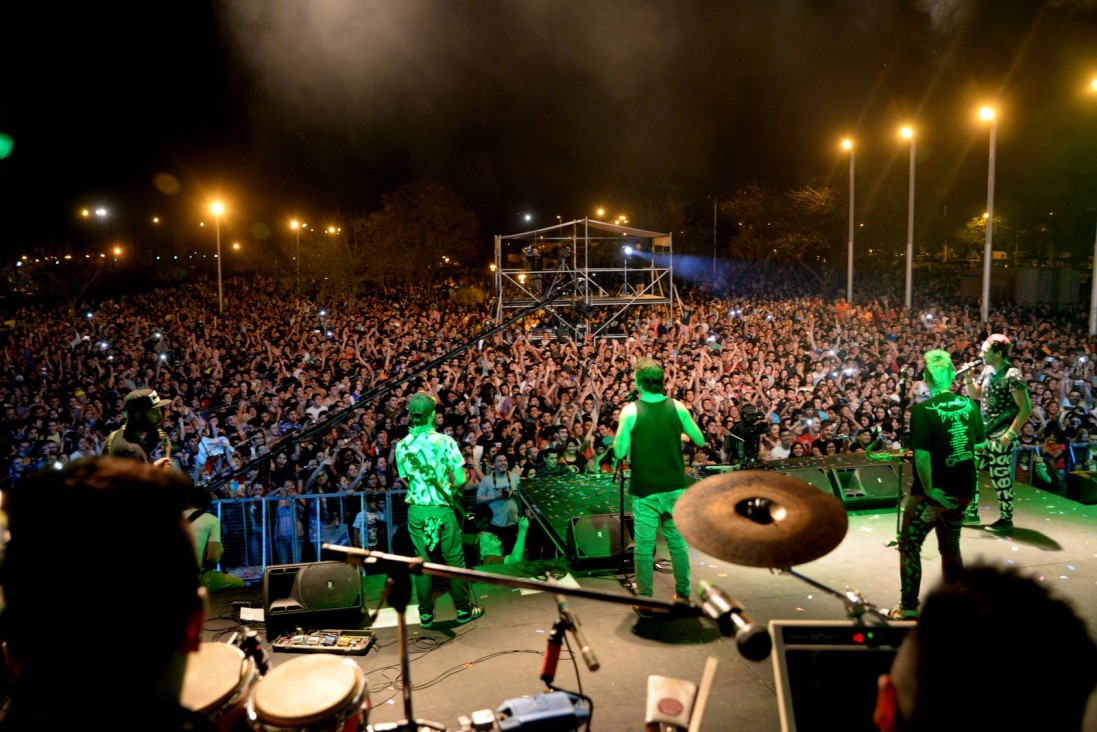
306, 690
213, 673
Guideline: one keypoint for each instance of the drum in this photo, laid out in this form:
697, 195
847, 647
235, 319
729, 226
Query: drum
218, 682
318, 692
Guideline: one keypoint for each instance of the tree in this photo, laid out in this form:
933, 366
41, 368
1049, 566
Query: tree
421, 228
973, 237
69, 280
795, 226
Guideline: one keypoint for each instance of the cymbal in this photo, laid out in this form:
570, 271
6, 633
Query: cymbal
759, 518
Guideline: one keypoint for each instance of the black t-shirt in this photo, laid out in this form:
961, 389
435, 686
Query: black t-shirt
948, 426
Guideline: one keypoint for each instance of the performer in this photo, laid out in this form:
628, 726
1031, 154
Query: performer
431, 462
1006, 407
651, 428
140, 434
945, 432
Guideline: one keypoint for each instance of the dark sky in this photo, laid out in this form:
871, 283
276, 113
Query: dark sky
553, 107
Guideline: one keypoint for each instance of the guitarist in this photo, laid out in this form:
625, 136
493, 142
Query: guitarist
140, 434
432, 465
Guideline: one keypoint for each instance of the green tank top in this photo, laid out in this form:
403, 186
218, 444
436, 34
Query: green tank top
656, 461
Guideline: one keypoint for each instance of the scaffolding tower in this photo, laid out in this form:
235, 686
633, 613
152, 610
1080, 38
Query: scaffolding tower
604, 269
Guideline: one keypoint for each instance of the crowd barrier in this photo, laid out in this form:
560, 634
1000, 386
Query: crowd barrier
258, 532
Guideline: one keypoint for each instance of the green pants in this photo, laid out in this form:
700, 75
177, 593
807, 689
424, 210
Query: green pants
648, 514
437, 538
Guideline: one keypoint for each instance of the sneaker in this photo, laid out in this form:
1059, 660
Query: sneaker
426, 620
971, 518
901, 613
467, 616
643, 613
1001, 526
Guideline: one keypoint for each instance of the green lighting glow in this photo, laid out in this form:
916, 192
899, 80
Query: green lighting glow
6, 144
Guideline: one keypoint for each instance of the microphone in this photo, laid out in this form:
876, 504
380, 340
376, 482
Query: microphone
966, 367
753, 640
633, 395
577, 630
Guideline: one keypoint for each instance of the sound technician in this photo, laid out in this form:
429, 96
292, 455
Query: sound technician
649, 435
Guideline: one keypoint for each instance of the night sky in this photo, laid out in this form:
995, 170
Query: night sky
552, 107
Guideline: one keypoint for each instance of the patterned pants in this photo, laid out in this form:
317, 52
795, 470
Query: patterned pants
920, 516
997, 461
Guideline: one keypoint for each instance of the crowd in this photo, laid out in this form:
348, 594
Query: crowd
767, 373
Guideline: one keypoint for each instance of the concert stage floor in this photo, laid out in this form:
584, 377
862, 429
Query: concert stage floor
456, 670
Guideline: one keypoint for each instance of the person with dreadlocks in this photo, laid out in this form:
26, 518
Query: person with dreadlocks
433, 467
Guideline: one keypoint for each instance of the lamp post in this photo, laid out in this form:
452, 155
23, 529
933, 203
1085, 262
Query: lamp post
1093, 275
296, 226
715, 203
987, 114
847, 144
908, 134
216, 208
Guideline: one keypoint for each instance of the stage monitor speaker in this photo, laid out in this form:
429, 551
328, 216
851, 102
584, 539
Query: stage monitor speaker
875, 485
1082, 487
313, 596
595, 541
817, 476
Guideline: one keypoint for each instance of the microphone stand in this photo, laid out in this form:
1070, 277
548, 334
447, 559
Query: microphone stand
903, 439
856, 605
625, 568
899, 457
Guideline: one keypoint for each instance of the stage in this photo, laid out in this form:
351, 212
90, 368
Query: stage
456, 670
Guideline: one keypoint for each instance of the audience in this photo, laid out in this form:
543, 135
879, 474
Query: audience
793, 372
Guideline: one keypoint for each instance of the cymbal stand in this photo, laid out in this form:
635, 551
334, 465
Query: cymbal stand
856, 605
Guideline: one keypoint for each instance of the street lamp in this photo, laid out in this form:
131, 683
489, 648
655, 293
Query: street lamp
847, 144
908, 134
216, 208
1093, 275
987, 115
296, 226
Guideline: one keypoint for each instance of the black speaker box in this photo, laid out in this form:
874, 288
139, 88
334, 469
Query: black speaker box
595, 541
314, 596
817, 476
1082, 487
875, 485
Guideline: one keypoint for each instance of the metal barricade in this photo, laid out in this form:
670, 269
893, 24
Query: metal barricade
258, 532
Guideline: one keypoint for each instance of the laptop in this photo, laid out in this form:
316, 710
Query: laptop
827, 670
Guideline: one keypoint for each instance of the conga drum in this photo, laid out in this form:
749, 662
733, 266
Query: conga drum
317, 692
218, 682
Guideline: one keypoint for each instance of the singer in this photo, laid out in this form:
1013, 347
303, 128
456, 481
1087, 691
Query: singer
649, 435
945, 432
1006, 407
140, 433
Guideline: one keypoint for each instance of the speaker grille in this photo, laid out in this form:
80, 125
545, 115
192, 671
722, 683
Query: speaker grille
326, 585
